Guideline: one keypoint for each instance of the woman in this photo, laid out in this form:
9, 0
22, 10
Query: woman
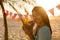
43, 31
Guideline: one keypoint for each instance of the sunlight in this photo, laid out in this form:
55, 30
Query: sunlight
48, 4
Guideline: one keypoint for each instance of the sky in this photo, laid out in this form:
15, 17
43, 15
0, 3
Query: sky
47, 4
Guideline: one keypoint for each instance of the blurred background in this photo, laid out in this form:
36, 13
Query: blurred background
24, 7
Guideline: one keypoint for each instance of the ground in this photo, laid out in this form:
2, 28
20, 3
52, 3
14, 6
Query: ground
15, 31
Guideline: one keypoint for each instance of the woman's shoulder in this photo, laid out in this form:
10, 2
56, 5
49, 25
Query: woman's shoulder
45, 27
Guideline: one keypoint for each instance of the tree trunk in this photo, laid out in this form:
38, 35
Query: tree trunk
5, 22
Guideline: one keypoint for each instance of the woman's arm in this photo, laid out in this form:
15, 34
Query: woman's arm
28, 29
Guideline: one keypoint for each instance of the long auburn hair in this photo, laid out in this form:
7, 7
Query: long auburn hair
42, 13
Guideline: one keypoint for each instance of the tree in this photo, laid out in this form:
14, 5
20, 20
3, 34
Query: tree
5, 21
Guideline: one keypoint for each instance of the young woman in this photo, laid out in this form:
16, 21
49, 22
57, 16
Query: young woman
43, 31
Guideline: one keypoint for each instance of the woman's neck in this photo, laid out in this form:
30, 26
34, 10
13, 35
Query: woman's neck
41, 25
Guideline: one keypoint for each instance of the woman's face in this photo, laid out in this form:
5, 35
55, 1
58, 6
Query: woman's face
37, 18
